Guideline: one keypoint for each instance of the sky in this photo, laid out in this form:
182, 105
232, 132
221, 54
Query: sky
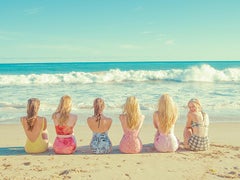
119, 30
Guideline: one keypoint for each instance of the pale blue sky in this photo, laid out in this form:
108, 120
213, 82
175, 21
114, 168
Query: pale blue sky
119, 30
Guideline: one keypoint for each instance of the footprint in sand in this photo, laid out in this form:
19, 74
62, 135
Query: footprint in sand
65, 172
6, 165
26, 163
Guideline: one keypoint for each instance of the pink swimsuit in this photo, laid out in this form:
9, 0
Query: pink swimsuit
65, 142
166, 142
130, 142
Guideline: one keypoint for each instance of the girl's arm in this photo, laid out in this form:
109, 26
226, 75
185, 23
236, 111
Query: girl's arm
189, 121
155, 118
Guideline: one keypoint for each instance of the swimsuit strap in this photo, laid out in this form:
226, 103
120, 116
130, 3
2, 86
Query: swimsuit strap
43, 123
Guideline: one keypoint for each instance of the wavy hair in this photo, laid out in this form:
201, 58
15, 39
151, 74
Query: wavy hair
64, 108
132, 110
32, 111
167, 113
98, 105
198, 105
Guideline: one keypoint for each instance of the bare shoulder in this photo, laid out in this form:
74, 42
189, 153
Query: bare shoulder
44, 119
41, 117
23, 119
107, 118
90, 119
73, 116
155, 114
122, 116
190, 114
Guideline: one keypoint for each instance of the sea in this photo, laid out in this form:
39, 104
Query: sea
215, 83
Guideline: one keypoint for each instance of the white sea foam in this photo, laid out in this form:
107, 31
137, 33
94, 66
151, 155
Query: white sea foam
218, 91
204, 73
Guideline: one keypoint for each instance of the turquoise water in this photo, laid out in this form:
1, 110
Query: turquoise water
216, 84
52, 68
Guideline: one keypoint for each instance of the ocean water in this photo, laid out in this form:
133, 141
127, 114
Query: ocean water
216, 84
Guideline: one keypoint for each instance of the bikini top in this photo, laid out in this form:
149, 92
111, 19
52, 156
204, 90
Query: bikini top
203, 124
197, 124
64, 130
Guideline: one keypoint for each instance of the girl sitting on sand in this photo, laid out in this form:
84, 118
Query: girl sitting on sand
35, 128
100, 124
131, 121
196, 130
164, 121
64, 122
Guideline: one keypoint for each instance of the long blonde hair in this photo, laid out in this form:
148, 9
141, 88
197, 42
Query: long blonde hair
167, 113
198, 105
63, 109
32, 111
132, 110
98, 105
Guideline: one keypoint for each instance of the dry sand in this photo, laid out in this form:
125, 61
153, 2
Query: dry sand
221, 161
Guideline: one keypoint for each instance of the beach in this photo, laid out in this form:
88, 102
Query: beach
114, 50
222, 160
216, 84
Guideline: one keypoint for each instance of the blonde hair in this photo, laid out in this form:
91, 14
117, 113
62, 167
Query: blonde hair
32, 111
196, 103
132, 110
63, 109
167, 113
98, 105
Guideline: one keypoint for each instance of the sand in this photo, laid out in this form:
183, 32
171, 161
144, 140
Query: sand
221, 161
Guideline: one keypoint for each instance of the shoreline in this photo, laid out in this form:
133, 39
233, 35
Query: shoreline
215, 117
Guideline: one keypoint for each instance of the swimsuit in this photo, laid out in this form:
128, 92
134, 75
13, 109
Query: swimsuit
198, 143
38, 146
130, 142
100, 143
166, 142
65, 142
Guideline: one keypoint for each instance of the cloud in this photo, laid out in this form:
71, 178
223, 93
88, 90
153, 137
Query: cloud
153, 34
33, 11
169, 42
54, 47
147, 32
63, 48
129, 46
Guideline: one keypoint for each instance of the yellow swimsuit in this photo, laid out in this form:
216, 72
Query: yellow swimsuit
38, 146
